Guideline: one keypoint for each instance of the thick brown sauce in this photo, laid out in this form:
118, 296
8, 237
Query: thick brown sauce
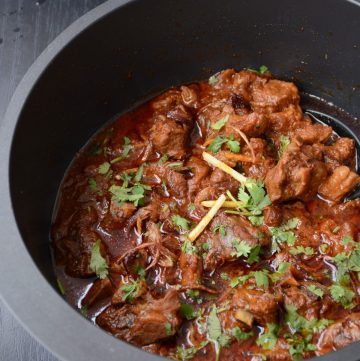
75, 199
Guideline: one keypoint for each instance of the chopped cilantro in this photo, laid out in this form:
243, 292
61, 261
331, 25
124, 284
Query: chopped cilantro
239, 334
168, 328
308, 251
191, 207
216, 144
188, 248
262, 70
256, 220
284, 142
130, 290
213, 79
183, 353
141, 272
97, 261
342, 295
221, 229
241, 248
125, 152
347, 240
135, 194
92, 184
284, 233
316, 290
224, 276
205, 247
139, 173
261, 279
220, 123
104, 168
269, 338
233, 145
188, 311
192, 293
254, 254
182, 223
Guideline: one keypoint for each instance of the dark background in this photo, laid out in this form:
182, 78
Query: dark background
26, 28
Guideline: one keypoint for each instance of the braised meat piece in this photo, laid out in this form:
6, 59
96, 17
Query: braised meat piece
341, 182
221, 240
342, 152
143, 324
313, 133
297, 175
169, 137
261, 305
273, 96
340, 334
253, 125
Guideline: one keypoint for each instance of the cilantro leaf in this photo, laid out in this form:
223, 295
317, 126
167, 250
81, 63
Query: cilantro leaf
221, 229
187, 311
182, 223
213, 325
130, 290
188, 248
239, 334
308, 251
284, 233
183, 353
92, 184
213, 79
168, 328
269, 338
139, 173
254, 254
220, 123
284, 142
261, 279
191, 207
316, 290
342, 295
262, 70
104, 168
216, 144
97, 261
233, 145
125, 151
241, 248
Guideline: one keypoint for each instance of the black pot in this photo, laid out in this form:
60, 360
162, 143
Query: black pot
103, 64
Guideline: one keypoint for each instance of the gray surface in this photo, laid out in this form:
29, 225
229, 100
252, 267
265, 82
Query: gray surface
26, 27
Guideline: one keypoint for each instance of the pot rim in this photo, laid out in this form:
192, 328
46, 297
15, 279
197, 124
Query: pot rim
24, 290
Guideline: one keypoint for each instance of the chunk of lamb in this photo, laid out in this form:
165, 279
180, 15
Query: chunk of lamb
340, 334
74, 249
169, 137
253, 125
273, 96
312, 133
342, 152
305, 301
261, 305
297, 175
175, 181
341, 182
221, 246
200, 170
145, 323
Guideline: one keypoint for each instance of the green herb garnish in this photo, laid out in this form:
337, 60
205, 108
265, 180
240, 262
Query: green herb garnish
97, 261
